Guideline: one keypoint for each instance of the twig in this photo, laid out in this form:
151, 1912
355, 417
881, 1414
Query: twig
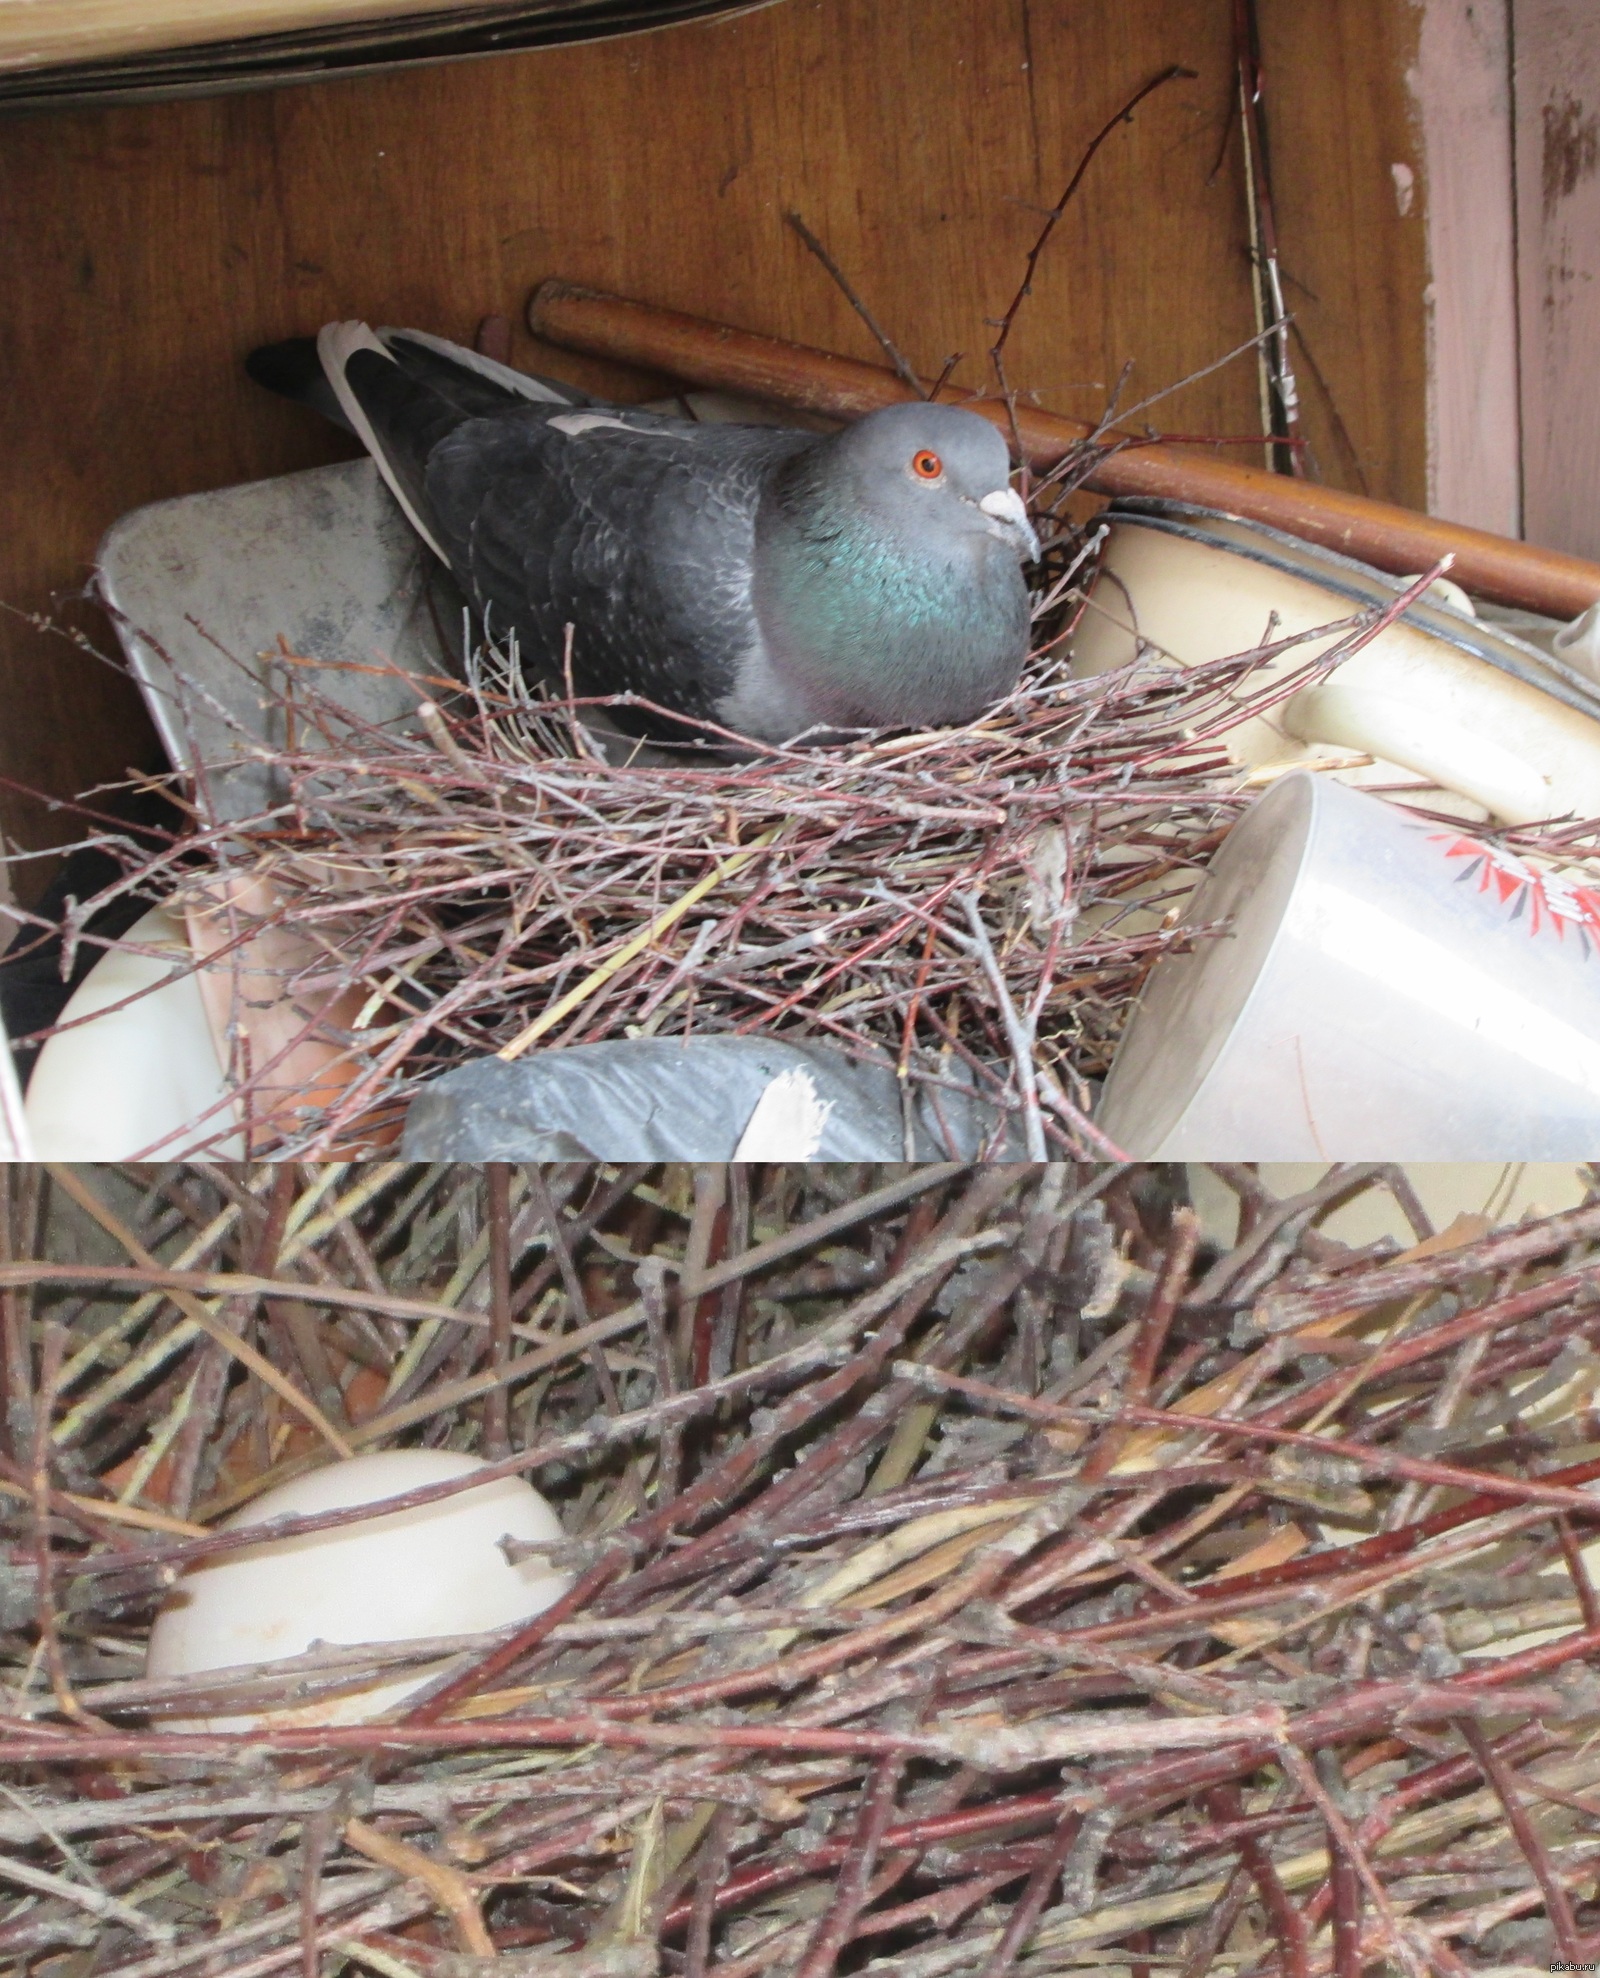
1348, 1850
890, 349
1529, 1839
497, 1402
1030, 1904
835, 1929
837, 1585
448, 1886
230, 1342
1019, 1032
1123, 116
80, 1896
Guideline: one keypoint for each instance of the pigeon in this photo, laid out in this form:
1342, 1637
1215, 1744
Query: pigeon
769, 581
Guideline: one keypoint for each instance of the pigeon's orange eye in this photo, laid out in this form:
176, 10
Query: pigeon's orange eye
926, 465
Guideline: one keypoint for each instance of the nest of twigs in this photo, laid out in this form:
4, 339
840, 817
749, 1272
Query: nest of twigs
985, 901
977, 1572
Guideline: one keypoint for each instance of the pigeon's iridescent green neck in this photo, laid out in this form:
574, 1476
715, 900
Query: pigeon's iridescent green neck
886, 625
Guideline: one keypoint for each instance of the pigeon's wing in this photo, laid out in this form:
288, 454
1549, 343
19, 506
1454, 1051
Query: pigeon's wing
635, 529
477, 384
397, 419
402, 392
305, 369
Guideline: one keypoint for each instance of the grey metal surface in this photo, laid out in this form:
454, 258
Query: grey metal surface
203, 588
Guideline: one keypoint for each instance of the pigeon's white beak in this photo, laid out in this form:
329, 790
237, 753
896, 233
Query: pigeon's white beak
1005, 507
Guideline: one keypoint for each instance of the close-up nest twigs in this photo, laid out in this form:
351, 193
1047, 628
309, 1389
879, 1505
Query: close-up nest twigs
974, 1572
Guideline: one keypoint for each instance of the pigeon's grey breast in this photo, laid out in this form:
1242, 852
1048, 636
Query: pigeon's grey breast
633, 528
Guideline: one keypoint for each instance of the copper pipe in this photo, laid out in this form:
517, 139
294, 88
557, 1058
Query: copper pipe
718, 358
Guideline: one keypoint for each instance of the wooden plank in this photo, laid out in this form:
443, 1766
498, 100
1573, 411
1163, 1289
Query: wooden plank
161, 242
45, 31
1557, 49
1462, 85
1339, 121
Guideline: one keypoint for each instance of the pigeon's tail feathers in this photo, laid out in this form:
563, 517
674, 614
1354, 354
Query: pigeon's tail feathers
476, 383
293, 369
395, 418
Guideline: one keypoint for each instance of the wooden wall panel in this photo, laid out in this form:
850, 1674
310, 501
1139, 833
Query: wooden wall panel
157, 244
1352, 244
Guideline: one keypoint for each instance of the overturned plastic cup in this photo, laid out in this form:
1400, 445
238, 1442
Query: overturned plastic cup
1382, 986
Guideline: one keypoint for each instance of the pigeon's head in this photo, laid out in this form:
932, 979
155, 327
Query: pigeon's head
937, 469
887, 580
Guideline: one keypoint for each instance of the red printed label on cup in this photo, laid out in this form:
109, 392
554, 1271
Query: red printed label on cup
1542, 898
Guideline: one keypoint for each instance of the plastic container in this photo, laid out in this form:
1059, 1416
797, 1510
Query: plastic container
1499, 726
1386, 988
16, 1142
144, 1077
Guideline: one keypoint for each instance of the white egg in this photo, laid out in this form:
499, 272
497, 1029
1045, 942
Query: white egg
435, 1570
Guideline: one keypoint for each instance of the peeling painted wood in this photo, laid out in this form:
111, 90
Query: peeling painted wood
1557, 45
1462, 86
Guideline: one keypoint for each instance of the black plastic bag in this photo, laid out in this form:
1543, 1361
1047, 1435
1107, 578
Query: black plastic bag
656, 1099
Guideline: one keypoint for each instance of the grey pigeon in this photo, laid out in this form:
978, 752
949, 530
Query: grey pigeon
769, 580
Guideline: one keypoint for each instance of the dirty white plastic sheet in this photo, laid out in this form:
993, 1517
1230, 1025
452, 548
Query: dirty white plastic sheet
202, 589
